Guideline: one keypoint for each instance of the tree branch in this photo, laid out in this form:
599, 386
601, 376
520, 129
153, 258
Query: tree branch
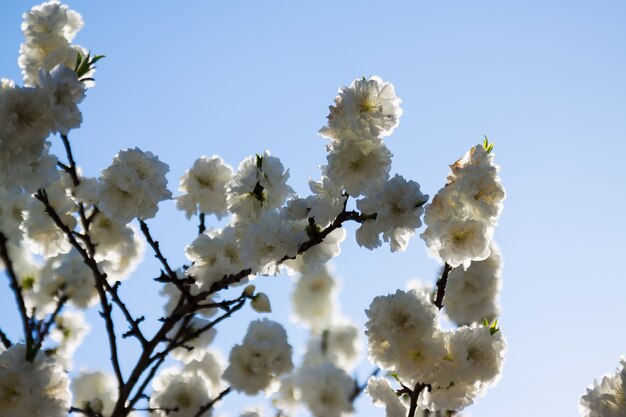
159, 255
5, 340
441, 286
201, 226
100, 279
19, 297
414, 395
47, 325
358, 389
210, 404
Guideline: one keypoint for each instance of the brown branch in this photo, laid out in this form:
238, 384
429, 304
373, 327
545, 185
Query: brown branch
153, 410
201, 225
180, 343
414, 396
210, 404
100, 279
45, 327
19, 297
159, 255
358, 389
5, 340
441, 286
87, 413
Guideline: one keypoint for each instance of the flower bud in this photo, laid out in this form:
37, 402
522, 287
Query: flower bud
261, 303
249, 290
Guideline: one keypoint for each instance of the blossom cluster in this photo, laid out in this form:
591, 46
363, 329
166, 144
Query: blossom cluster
67, 242
461, 218
606, 397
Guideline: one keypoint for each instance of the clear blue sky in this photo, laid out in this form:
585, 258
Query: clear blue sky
545, 80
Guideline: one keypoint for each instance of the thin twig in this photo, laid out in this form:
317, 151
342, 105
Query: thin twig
180, 343
47, 325
17, 291
159, 255
358, 389
414, 395
441, 286
87, 413
5, 340
201, 225
100, 279
210, 404
153, 410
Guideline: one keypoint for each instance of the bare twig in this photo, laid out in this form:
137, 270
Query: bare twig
210, 404
100, 278
17, 291
358, 389
201, 225
5, 340
159, 255
45, 326
414, 396
441, 286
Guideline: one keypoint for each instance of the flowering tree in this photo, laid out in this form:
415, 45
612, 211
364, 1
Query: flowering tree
68, 241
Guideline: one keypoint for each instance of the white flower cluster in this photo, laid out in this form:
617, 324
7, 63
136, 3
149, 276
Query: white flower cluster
94, 391
472, 294
49, 29
462, 216
47, 103
405, 337
133, 185
398, 206
260, 184
204, 187
37, 388
358, 160
321, 383
263, 356
607, 397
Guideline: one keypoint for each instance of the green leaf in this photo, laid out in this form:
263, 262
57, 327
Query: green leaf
487, 145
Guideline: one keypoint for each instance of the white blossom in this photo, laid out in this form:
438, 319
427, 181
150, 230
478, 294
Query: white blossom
398, 206
404, 335
260, 359
66, 92
181, 394
359, 166
133, 185
316, 256
326, 390
70, 328
193, 349
383, 396
266, 242
25, 122
259, 184
204, 187
314, 299
48, 30
35, 389
367, 109
94, 390
472, 294
214, 254
210, 367
338, 344
461, 217
326, 202
12, 213
606, 397
478, 352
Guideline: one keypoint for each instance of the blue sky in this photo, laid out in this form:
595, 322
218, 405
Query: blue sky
544, 80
